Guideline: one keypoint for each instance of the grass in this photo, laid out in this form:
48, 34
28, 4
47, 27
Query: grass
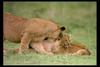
33, 59
79, 18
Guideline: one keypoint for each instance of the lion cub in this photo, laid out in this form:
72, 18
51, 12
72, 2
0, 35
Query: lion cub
71, 49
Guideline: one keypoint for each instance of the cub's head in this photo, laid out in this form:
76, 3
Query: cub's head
64, 43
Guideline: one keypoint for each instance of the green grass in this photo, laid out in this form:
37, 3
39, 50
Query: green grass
79, 18
32, 58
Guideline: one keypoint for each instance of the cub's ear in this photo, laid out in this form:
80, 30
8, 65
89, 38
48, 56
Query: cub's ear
62, 28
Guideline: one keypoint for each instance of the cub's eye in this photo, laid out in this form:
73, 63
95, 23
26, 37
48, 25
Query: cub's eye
46, 38
58, 39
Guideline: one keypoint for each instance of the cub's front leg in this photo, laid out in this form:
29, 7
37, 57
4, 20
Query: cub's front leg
25, 40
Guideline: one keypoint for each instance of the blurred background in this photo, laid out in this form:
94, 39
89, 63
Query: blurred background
78, 17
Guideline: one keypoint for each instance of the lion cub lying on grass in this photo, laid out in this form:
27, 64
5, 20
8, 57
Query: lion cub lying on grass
65, 47
71, 49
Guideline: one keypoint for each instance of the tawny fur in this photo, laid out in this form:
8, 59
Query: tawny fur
68, 48
27, 31
63, 46
46, 46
